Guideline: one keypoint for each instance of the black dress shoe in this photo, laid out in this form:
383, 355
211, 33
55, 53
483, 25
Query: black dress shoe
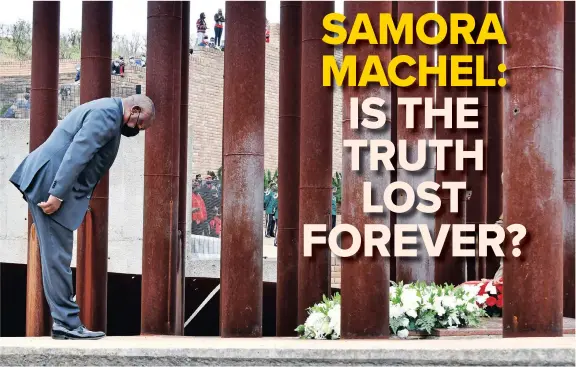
61, 332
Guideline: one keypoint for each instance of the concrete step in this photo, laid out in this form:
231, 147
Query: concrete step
195, 351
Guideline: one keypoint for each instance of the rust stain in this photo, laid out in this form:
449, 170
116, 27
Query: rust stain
243, 162
289, 165
161, 288
43, 119
365, 280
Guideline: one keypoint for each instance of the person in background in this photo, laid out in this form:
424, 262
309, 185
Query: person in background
333, 206
218, 27
267, 31
204, 42
201, 28
214, 208
266, 196
199, 214
10, 113
216, 226
276, 227
77, 78
271, 207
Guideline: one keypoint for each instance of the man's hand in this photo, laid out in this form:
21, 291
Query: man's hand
51, 205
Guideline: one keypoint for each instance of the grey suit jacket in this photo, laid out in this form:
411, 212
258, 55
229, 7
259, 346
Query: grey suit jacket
73, 159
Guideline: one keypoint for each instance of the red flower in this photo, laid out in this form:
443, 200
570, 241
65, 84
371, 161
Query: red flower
499, 288
500, 301
482, 289
491, 301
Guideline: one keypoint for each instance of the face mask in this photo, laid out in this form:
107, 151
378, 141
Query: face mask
129, 131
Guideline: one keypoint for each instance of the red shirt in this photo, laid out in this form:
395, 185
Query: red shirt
216, 224
198, 216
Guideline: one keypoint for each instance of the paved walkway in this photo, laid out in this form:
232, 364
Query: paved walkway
161, 350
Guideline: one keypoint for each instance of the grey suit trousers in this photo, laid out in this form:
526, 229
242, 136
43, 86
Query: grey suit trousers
56, 244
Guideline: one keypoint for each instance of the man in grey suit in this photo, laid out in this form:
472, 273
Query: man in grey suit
57, 180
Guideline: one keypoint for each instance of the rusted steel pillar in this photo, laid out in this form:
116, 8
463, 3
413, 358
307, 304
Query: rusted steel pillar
315, 156
92, 256
43, 119
365, 280
533, 112
476, 181
493, 135
181, 276
569, 121
449, 269
420, 268
289, 165
161, 295
243, 145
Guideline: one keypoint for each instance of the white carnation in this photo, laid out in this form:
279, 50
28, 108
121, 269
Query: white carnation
409, 298
396, 311
405, 322
334, 315
449, 301
315, 325
402, 333
490, 288
438, 308
482, 299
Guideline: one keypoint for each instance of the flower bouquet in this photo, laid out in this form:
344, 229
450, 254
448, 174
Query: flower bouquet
490, 295
414, 306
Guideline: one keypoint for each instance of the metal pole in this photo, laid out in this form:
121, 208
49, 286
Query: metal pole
365, 280
533, 112
449, 269
289, 167
43, 119
161, 295
92, 256
569, 188
181, 277
315, 156
476, 181
422, 267
494, 140
243, 148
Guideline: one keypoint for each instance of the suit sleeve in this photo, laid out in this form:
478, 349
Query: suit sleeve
97, 130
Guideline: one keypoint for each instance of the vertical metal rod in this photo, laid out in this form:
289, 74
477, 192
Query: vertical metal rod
476, 205
92, 255
181, 276
161, 293
422, 267
449, 269
243, 148
494, 140
289, 167
533, 112
315, 156
365, 280
569, 122
43, 119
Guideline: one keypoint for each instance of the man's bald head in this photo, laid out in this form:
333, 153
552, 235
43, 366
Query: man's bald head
139, 111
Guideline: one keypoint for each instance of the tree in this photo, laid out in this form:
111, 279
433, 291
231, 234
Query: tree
129, 46
21, 34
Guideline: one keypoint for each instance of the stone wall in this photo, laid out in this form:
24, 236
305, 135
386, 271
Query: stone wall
205, 112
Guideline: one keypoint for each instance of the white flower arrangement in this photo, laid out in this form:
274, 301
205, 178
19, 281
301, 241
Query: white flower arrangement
414, 306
